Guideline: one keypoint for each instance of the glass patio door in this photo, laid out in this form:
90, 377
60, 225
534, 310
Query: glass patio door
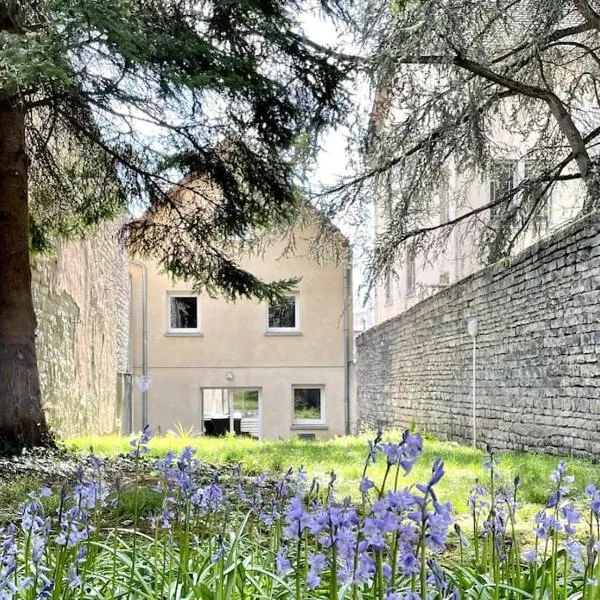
224, 410
246, 404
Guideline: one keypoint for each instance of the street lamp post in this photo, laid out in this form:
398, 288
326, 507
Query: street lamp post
473, 329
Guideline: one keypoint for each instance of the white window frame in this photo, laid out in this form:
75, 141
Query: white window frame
284, 330
182, 330
308, 422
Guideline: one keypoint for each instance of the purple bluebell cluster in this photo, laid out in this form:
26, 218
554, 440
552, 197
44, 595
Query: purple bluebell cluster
291, 537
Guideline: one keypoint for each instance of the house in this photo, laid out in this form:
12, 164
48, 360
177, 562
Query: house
266, 371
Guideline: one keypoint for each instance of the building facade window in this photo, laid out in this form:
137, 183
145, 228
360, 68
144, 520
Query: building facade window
183, 313
309, 405
444, 209
285, 316
411, 278
444, 278
387, 286
502, 183
540, 194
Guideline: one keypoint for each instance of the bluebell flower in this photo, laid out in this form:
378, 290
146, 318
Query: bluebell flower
45, 492
409, 564
316, 562
261, 479
365, 485
296, 519
554, 499
438, 523
46, 590
401, 500
558, 473
437, 577
365, 568
412, 450
393, 453
37, 549
477, 501
373, 448
530, 556
73, 578
572, 517
546, 524
575, 553
283, 564
139, 445
437, 472
220, 549
593, 496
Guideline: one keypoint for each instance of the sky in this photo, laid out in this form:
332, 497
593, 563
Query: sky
333, 159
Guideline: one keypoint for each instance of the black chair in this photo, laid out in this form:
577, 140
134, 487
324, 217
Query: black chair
220, 426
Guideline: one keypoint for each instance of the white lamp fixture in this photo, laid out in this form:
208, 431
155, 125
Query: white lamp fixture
473, 329
229, 376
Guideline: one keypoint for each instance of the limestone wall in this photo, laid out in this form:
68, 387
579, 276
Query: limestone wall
537, 370
82, 307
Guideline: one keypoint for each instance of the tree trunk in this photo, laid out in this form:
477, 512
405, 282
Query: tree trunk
22, 421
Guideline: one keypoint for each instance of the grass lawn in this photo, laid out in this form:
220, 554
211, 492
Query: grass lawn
346, 456
245, 530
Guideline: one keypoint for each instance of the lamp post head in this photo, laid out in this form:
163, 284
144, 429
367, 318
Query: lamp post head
473, 327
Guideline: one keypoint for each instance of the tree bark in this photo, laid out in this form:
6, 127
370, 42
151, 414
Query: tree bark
22, 420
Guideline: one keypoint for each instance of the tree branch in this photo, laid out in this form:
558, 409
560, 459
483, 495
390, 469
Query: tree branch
432, 137
553, 175
592, 18
554, 103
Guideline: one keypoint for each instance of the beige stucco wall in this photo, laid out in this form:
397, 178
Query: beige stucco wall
233, 340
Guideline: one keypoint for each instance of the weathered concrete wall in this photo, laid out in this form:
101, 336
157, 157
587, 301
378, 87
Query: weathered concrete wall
538, 376
82, 307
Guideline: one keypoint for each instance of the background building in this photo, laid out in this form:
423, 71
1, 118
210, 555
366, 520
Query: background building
415, 276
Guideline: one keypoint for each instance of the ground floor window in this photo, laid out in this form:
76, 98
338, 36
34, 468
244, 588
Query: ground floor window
309, 405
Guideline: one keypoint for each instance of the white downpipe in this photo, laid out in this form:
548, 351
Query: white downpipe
347, 341
473, 329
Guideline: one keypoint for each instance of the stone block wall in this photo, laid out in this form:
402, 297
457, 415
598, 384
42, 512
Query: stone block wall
81, 298
537, 369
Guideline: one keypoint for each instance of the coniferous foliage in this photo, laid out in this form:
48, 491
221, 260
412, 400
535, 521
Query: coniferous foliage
458, 85
114, 101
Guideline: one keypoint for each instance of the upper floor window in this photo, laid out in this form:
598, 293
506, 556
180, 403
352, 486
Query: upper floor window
387, 285
183, 313
411, 277
284, 316
541, 194
444, 208
501, 184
